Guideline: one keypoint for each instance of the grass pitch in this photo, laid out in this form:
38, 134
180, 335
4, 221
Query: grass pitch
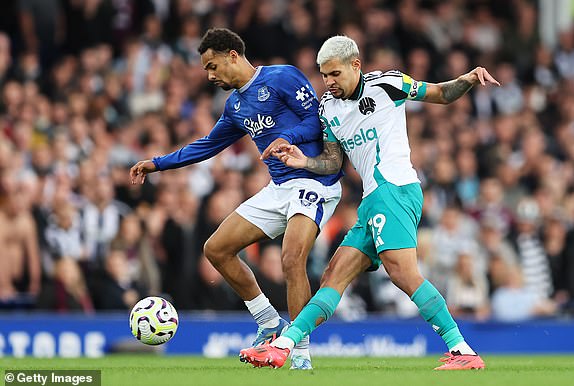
126, 370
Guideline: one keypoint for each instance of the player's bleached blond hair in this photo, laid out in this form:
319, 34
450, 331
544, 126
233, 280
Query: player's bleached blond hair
338, 47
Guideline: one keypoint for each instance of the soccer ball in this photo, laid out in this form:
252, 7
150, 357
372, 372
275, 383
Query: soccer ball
153, 320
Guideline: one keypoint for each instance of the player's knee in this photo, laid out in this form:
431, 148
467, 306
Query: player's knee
326, 276
393, 268
397, 273
294, 264
213, 253
331, 275
404, 277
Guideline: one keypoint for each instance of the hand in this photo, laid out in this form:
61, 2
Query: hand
291, 156
272, 148
140, 170
481, 75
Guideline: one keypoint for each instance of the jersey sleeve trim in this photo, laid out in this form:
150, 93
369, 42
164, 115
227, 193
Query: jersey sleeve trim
415, 90
328, 136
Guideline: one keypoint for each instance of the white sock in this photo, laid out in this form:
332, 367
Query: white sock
463, 348
283, 342
302, 348
263, 312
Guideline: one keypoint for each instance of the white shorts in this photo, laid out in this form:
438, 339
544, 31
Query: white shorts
274, 205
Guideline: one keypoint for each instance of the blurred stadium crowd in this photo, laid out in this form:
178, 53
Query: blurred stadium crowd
88, 87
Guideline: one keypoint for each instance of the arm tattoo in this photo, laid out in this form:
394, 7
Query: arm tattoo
454, 89
328, 162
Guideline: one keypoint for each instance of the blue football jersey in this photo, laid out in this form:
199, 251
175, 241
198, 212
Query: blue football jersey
278, 102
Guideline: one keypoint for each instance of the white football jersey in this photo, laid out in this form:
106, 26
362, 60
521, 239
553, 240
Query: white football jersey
371, 127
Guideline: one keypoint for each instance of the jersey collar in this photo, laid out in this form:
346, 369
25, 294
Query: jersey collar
246, 85
359, 89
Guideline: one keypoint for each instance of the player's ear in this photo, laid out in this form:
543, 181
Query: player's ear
233, 55
356, 64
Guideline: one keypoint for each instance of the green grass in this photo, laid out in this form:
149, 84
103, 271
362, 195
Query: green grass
126, 370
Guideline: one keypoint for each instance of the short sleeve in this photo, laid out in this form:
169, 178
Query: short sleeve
328, 135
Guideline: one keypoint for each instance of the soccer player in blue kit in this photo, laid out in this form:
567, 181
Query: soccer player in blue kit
275, 105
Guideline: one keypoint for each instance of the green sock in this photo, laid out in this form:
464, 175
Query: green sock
322, 305
433, 309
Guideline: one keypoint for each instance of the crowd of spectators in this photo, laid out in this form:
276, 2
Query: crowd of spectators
88, 87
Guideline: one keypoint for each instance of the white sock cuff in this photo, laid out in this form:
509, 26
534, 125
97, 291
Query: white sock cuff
463, 348
283, 342
303, 343
257, 304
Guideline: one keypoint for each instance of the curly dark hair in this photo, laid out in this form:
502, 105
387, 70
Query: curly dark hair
221, 40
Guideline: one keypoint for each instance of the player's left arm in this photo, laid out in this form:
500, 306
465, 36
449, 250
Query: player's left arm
447, 92
300, 97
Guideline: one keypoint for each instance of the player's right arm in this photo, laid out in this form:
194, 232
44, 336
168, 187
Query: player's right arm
221, 136
328, 162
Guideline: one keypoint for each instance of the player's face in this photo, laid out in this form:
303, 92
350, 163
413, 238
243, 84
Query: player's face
219, 67
341, 78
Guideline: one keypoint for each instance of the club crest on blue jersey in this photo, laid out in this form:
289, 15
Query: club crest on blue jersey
263, 94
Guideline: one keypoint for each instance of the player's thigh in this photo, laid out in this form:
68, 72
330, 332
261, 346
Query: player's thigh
267, 210
402, 260
346, 264
234, 234
310, 205
360, 237
299, 238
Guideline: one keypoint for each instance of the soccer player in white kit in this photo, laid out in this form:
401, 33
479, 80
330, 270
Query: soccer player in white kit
363, 116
